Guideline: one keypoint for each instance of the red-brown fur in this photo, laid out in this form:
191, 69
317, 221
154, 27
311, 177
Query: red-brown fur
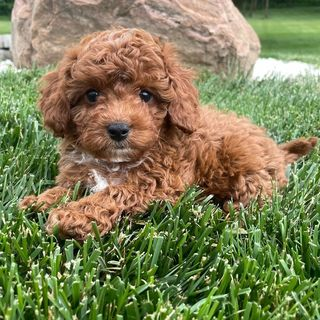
173, 143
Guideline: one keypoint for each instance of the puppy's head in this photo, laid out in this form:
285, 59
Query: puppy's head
115, 92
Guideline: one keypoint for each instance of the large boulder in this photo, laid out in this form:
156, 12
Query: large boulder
5, 46
209, 33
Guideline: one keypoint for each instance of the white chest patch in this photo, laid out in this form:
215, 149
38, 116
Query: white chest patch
83, 158
100, 182
121, 155
116, 168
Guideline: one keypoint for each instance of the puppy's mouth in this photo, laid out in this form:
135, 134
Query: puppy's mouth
121, 154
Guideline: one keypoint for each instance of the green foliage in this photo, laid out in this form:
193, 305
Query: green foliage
289, 34
5, 25
259, 4
6, 7
186, 261
294, 3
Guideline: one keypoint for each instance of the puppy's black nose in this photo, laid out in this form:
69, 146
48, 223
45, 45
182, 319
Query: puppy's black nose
118, 131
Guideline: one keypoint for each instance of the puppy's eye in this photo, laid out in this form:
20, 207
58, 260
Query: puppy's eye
92, 95
145, 95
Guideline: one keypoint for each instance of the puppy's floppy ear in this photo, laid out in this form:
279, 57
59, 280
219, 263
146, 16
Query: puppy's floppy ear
53, 102
184, 109
54, 105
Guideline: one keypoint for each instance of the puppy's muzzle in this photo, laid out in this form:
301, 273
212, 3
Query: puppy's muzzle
118, 131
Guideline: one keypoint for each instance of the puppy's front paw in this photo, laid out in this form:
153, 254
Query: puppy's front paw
45, 200
74, 221
34, 202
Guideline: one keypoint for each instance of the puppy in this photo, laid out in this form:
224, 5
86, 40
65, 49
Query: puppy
133, 132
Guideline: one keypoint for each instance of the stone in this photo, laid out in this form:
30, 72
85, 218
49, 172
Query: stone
211, 34
5, 41
5, 54
5, 46
6, 65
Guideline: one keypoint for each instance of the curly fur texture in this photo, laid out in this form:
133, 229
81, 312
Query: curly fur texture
172, 143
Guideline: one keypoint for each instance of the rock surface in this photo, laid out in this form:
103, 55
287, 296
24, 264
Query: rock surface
5, 47
5, 41
208, 33
7, 65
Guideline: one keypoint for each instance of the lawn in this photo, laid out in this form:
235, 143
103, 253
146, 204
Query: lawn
185, 261
5, 25
289, 33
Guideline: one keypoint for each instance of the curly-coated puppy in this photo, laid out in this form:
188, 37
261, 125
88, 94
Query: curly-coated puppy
133, 132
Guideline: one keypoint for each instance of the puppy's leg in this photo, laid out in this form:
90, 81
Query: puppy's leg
246, 188
257, 173
66, 180
45, 200
298, 148
104, 208
247, 167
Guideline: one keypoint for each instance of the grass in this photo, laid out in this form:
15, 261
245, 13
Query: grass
176, 262
5, 25
289, 33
